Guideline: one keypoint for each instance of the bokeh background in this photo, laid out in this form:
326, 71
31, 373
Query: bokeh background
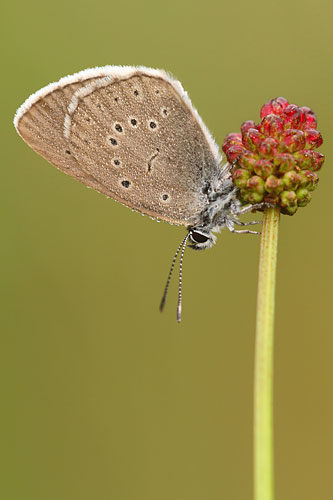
103, 397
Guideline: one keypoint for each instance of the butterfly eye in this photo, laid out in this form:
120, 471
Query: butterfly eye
197, 237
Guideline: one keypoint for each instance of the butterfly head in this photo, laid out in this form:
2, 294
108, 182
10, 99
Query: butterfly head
201, 239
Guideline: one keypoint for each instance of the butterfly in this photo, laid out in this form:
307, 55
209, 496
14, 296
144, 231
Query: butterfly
132, 134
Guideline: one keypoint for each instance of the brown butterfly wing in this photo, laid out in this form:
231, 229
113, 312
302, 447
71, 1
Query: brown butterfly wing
133, 139
41, 126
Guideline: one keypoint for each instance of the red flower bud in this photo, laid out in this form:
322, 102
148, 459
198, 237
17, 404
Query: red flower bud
247, 159
310, 117
246, 125
291, 116
268, 147
233, 152
275, 106
313, 138
275, 161
319, 159
231, 140
252, 139
271, 126
292, 140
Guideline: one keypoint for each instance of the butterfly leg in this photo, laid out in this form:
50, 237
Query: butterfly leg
230, 225
255, 206
250, 223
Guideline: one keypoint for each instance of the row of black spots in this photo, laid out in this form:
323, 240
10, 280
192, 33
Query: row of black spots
127, 184
134, 123
137, 92
153, 125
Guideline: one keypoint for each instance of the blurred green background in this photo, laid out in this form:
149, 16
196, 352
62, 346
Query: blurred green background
103, 397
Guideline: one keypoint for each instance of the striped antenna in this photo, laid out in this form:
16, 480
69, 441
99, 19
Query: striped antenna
183, 243
179, 307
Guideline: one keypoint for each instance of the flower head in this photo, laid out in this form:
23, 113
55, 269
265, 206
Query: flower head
274, 161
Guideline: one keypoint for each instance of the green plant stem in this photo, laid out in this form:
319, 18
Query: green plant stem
263, 370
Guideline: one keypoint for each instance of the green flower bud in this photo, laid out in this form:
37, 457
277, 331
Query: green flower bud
272, 198
288, 200
291, 180
303, 197
251, 197
263, 168
244, 194
240, 176
256, 185
273, 184
289, 210
304, 159
284, 162
308, 179
255, 197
